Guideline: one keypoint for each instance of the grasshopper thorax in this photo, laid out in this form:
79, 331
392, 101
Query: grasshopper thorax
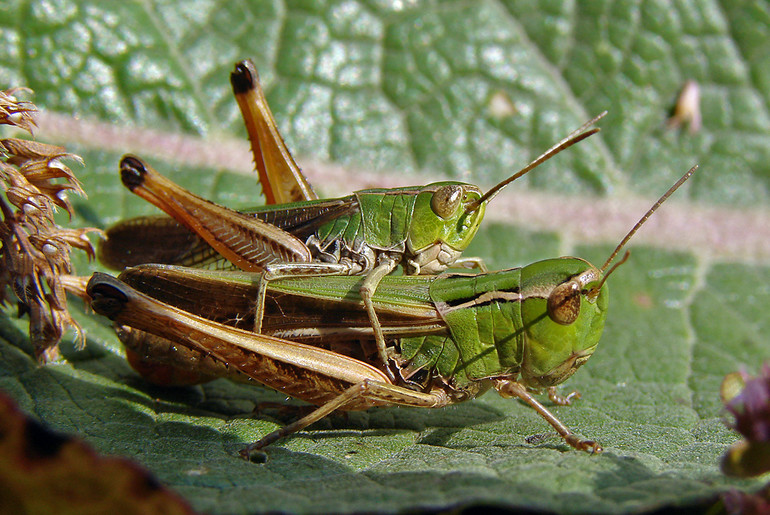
441, 228
563, 317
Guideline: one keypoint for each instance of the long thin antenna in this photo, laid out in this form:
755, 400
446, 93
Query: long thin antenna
594, 292
573, 137
647, 215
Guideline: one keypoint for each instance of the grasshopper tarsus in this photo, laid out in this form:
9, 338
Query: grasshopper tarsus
257, 456
562, 400
253, 452
589, 446
507, 388
472, 263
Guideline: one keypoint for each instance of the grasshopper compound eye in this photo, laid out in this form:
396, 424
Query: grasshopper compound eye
446, 200
564, 303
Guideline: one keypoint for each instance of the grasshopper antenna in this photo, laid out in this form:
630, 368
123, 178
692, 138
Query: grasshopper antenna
594, 292
573, 137
641, 222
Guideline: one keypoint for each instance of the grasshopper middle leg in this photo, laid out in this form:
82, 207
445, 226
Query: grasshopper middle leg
509, 388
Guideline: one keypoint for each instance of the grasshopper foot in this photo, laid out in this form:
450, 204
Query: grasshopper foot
253, 455
254, 452
562, 400
589, 446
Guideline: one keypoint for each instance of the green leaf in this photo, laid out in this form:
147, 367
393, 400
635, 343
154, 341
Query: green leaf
389, 93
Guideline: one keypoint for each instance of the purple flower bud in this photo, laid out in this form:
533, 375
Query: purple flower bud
751, 407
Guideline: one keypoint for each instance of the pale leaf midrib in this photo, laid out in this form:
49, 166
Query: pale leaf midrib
717, 233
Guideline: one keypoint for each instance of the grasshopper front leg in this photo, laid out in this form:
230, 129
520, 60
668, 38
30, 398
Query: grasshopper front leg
562, 400
472, 262
509, 388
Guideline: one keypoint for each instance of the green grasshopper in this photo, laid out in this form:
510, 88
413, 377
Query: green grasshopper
371, 232
451, 336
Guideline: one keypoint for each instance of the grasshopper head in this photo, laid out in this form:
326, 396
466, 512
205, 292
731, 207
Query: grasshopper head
564, 303
440, 220
563, 311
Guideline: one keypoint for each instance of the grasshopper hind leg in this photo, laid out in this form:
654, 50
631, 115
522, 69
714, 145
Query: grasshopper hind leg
369, 392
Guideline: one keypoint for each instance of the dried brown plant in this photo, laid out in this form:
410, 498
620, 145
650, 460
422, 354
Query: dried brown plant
35, 251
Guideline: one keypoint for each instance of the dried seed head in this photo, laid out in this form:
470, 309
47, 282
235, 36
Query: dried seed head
34, 251
37, 169
15, 112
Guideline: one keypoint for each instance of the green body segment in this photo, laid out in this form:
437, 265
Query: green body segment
347, 228
491, 328
403, 219
385, 219
396, 294
486, 337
